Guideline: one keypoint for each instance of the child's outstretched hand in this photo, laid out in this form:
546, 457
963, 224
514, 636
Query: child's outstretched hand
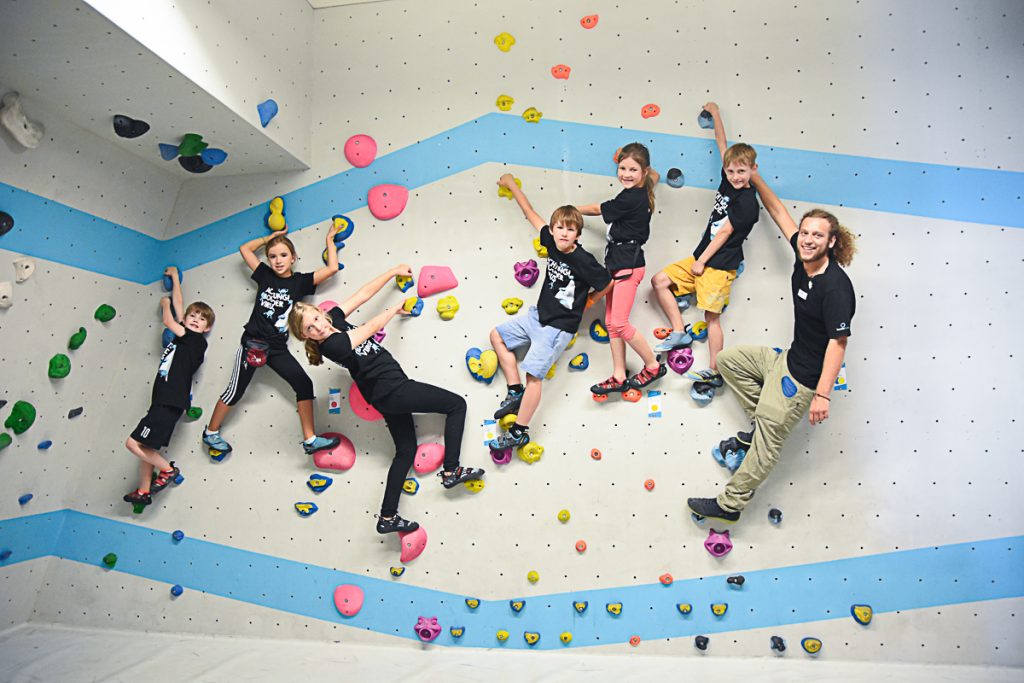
171, 271
506, 180
711, 108
403, 269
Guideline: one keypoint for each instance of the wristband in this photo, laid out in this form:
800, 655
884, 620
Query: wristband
823, 396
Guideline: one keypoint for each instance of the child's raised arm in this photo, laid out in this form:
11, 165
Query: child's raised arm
168, 319
248, 250
360, 334
370, 289
508, 182
331, 269
776, 209
720, 139
177, 302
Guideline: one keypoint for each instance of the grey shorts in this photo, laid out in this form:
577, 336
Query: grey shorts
545, 343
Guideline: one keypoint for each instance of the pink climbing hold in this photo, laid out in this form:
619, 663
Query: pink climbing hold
360, 150
435, 279
341, 457
427, 628
360, 407
387, 201
413, 543
429, 456
327, 305
348, 599
718, 543
527, 273
680, 360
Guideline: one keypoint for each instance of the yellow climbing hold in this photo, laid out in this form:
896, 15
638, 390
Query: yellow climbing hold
563, 516
533, 577
474, 485
507, 193
531, 452
541, 250
531, 115
504, 102
502, 635
504, 41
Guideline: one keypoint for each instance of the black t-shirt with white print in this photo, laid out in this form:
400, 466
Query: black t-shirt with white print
823, 309
373, 369
740, 207
567, 280
628, 216
179, 362
269, 319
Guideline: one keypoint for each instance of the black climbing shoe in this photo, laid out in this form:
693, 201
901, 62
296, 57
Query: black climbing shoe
459, 475
709, 507
396, 523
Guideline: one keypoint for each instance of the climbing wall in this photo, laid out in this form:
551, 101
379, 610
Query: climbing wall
871, 110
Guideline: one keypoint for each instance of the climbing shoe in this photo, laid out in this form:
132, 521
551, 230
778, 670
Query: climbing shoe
707, 376
676, 340
510, 404
610, 386
509, 440
459, 475
164, 478
647, 376
138, 498
396, 523
215, 442
320, 443
709, 507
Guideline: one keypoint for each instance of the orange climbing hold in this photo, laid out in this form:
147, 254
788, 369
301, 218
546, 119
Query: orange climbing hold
561, 71
634, 640
589, 21
581, 546
650, 110
595, 453
666, 579
649, 484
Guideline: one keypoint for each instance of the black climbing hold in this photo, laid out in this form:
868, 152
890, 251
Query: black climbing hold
701, 643
2, 403
674, 177
194, 164
75, 412
6, 222
775, 515
127, 127
778, 644
737, 580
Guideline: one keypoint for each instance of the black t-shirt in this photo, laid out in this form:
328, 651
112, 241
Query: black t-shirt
740, 206
181, 358
629, 226
374, 370
823, 308
269, 319
567, 280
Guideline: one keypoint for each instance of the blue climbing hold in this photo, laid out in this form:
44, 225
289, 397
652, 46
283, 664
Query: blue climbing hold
306, 509
213, 156
4, 554
267, 110
168, 152
25, 498
178, 536
706, 120
788, 387
580, 361
178, 479
318, 482
169, 283
43, 445
675, 178
347, 227
177, 590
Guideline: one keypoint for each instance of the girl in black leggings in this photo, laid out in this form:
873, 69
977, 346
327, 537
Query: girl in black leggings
385, 386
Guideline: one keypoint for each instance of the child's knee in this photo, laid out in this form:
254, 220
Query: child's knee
620, 329
712, 319
660, 280
303, 389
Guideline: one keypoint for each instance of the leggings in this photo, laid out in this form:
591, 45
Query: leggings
620, 303
280, 361
397, 408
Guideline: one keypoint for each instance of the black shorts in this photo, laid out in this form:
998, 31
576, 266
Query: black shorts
156, 427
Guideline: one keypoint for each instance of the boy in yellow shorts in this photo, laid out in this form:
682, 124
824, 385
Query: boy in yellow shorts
712, 268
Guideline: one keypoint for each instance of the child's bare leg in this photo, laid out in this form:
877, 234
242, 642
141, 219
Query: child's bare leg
506, 359
145, 475
618, 358
531, 399
643, 349
220, 411
716, 338
662, 288
149, 459
306, 418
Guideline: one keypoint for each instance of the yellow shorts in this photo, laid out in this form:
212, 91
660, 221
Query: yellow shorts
712, 287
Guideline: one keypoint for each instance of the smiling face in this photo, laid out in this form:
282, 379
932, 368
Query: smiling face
196, 321
738, 174
281, 259
315, 325
630, 173
813, 239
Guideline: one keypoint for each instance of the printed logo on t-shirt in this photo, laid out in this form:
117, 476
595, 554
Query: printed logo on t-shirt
561, 281
271, 300
842, 327
165, 361
282, 321
718, 214
370, 347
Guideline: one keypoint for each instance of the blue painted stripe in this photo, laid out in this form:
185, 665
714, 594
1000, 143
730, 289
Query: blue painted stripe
976, 195
902, 580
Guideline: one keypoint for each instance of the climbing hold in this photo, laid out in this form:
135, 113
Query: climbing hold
532, 115
517, 605
580, 361
589, 21
684, 607
542, 251
501, 457
5, 554
778, 644
43, 445
326, 305
684, 301
598, 332
177, 590
504, 41
532, 576
178, 536
6, 223
482, 365
507, 421
361, 407
75, 412
649, 484
194, 164
512, 305
595, 454
435, 279
666, 579
167, 152
24, 498
861, 614
474, 485
306, 509
60, 366
705, 120
275, 214
109, 560
719, 609
573, 340
411, 486
680, 360
614, 608
551, 371
501, 635
504, 102
581, 546
5, 440
267, 109
775, 516
27, 133
413, 543
397, 571
348, 599
427, 628
360, 150
675, 178
191, 145
561, 71
563, 516
105, 313
213, 156
650, 110
379, 335
6, 295
701, 643
811, 646
737, 581
341, 457
317, 483
717, 543
194, 412
23, 414
413, 306
77, 339
387, 201
457, 631
507, 193
634, 640
404, 282
526, 273
580, 606
702, 393
447, 307
566, 637
698, 330
531, 452
23, 269
472, 603
788, 387
429, 457
169, 283
531, 638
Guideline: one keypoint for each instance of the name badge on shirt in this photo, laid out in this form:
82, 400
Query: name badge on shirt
802, 294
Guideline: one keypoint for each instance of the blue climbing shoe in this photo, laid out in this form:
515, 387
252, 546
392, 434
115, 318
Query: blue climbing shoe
215, 443
676, 340
508, 440
509, 405
320, 443
707, 376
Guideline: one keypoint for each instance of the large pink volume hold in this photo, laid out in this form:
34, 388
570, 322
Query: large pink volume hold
387, 201
435, 279
361, 407
360, 150
348, 599
413, 543
341, 457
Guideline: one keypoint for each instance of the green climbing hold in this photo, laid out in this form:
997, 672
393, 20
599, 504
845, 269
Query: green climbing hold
5, 440
77, 339
138, 508
191, 145
195, 412
23, 414
109, 560
60, 366
105, 313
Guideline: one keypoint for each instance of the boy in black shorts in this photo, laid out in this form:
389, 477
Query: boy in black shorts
171, 390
